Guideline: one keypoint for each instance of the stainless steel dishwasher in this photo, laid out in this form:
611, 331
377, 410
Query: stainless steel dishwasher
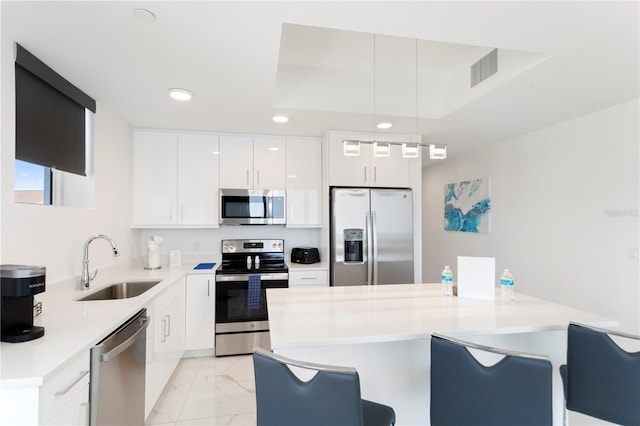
117, 375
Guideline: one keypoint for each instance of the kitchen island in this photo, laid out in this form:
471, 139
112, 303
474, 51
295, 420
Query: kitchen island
384, 332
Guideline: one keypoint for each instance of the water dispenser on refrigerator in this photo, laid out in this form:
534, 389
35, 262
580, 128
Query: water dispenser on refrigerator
353, 245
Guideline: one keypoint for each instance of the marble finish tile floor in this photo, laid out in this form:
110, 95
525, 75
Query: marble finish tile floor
208, 391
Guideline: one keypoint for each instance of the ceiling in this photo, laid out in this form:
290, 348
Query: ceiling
319, 63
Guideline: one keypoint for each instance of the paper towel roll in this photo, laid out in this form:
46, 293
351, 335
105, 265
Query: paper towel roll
153, 258
153, 252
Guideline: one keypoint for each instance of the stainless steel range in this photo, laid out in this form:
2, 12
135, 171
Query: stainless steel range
248, 268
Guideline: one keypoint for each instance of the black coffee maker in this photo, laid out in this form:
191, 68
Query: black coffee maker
18, 285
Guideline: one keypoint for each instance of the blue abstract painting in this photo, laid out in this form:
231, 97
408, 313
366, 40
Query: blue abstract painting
467, 206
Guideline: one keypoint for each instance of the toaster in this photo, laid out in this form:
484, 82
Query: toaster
305, 255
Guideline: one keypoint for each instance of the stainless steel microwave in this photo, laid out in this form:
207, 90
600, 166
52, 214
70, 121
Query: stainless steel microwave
252, 207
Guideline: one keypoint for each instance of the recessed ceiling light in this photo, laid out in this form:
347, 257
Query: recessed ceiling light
384, 125
280, 118
144, 15
180, 94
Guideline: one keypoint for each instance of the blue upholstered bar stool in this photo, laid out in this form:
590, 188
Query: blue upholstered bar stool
600, 378
514, 391
330, 397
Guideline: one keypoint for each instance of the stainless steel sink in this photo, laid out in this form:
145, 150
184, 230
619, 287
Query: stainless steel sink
121, 290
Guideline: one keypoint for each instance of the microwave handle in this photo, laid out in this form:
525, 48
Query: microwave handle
269, 206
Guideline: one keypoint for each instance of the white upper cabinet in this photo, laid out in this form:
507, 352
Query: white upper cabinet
155, 186
236, 162
269, 163
391, 171
175, 179
252, 163
198, 155
304, 183
367, 169
347, 170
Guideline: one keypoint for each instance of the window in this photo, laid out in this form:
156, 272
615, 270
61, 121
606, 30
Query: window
32, 183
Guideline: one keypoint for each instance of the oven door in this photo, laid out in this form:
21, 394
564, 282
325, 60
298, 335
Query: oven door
236, 304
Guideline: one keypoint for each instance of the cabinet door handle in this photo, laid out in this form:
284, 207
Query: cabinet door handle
258, 178
170, 214
168, 325
72, 384
182, 212
365, 174
247, 177
375, 174
164, 330
208, 288
87, 412
308, 278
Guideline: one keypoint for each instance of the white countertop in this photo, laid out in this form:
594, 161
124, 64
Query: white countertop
302, 317
73, 327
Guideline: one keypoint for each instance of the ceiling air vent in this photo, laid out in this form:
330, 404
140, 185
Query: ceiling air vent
484, 68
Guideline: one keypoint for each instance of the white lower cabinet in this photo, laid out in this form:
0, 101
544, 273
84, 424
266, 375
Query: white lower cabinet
65, 395
308, 277
75, 411
165, 340
200, 313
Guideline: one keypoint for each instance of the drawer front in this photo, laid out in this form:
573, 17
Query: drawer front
165, 298
64, 385
74, 412
308, 278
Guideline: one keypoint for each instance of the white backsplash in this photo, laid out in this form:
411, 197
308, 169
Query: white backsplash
199, 245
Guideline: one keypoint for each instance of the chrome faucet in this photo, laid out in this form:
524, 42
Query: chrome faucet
86, 277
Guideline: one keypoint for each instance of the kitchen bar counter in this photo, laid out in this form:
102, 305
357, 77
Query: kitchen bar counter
384, 331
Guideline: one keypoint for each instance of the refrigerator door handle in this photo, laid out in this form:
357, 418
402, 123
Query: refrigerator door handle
367, 238
374, 249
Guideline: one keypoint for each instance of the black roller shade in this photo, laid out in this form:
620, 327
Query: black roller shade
38, 68
50, 116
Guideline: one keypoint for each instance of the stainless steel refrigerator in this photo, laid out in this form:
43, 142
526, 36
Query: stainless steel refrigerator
371, 236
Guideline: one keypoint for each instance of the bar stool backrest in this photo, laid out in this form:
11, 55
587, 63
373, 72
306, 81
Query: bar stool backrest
602, 379
331, 397
514, 391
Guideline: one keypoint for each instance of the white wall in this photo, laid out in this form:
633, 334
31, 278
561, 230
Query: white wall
564, 213
201, 245
54, 236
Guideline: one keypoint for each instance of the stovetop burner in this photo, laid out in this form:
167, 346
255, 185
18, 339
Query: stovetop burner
252, 257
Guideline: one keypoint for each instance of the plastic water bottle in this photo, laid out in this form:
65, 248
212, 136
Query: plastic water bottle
447, 281
506, 286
